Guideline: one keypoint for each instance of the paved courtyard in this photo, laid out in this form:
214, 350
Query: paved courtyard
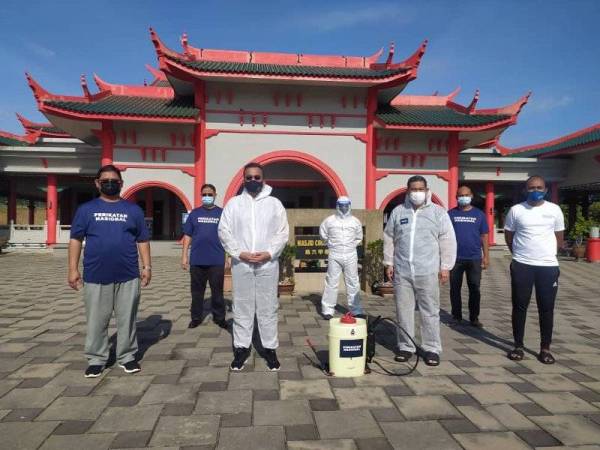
185, 396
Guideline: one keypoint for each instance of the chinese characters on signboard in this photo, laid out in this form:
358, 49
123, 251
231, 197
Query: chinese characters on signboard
311, 247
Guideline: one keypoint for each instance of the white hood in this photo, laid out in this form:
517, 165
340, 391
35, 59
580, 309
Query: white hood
254, 224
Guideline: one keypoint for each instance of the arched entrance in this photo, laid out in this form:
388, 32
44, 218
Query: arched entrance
299, 180
397, 197
164, 206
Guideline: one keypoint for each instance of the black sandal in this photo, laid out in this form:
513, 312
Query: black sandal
403, 356
545, 357
431, 359
516, 354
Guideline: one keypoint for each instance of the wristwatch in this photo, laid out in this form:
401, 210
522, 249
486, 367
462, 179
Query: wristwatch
147, 268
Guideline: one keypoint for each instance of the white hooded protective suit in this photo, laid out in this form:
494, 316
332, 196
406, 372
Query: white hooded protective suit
254, 224
342, 233
418, 244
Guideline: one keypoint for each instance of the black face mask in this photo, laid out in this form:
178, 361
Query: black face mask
110, 187
253, 186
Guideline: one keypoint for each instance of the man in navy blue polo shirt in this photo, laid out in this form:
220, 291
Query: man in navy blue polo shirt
471, 229
114, 232
206, 260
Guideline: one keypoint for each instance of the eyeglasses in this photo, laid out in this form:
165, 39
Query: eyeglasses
109, 180
208, 194
255, 177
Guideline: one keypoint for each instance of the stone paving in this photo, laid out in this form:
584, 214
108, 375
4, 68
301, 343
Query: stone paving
185, 396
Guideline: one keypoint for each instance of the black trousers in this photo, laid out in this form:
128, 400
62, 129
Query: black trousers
545, 279
214, 275
472, 267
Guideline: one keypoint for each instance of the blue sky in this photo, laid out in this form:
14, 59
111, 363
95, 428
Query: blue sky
504, 48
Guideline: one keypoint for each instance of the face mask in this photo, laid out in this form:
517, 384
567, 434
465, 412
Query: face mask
464, 200
253, 186
207, 200
536, 196
343, 208
417, 198
110, 187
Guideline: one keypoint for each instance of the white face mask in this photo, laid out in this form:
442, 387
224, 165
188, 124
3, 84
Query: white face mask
417, 198
464, 200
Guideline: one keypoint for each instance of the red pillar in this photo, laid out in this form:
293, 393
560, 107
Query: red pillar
107, 140
199, 144
453, 151
370, 157
554, 192
489, 211
12, 201
51, 209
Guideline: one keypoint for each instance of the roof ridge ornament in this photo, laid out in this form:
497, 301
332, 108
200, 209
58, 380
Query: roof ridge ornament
186, 47
473, 103
39, 92
452, 95
102, 85
390, 57
156, 73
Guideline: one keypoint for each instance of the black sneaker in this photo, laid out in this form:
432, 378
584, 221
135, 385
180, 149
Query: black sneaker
130, 367
240, 355
272, 361
93, 371
327, 316
194, 323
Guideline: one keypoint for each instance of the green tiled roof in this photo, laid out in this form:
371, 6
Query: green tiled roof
583, 139
434, 117
287, 70
161, 83
53, 130
6, 141
178, 108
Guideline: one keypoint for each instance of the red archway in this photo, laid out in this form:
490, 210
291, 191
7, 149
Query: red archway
392, 195
290, 156
131, 190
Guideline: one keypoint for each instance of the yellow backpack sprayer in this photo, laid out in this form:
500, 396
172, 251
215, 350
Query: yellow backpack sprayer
352, 342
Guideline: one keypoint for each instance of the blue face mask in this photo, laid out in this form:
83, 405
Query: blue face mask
535, 196
464, 200
208, 200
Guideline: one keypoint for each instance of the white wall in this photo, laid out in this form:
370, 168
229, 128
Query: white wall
183, 181
227, 153
392, 182
583, 169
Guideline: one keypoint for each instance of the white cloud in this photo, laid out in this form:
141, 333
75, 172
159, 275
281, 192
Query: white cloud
40, 50
550, 103
330, 20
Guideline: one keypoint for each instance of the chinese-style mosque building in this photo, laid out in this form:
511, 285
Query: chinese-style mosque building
323, 126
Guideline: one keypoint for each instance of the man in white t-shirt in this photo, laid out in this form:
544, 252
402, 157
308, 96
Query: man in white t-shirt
534, 233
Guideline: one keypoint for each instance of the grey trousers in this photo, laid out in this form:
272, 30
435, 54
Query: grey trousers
424, 291
255, 294
100, 302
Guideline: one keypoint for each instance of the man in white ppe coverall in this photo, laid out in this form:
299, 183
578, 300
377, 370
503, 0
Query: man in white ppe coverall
254, 230
342, 233
419, 249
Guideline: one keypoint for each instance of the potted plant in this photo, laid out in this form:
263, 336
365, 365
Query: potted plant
286, 270
374, 269
578, 234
